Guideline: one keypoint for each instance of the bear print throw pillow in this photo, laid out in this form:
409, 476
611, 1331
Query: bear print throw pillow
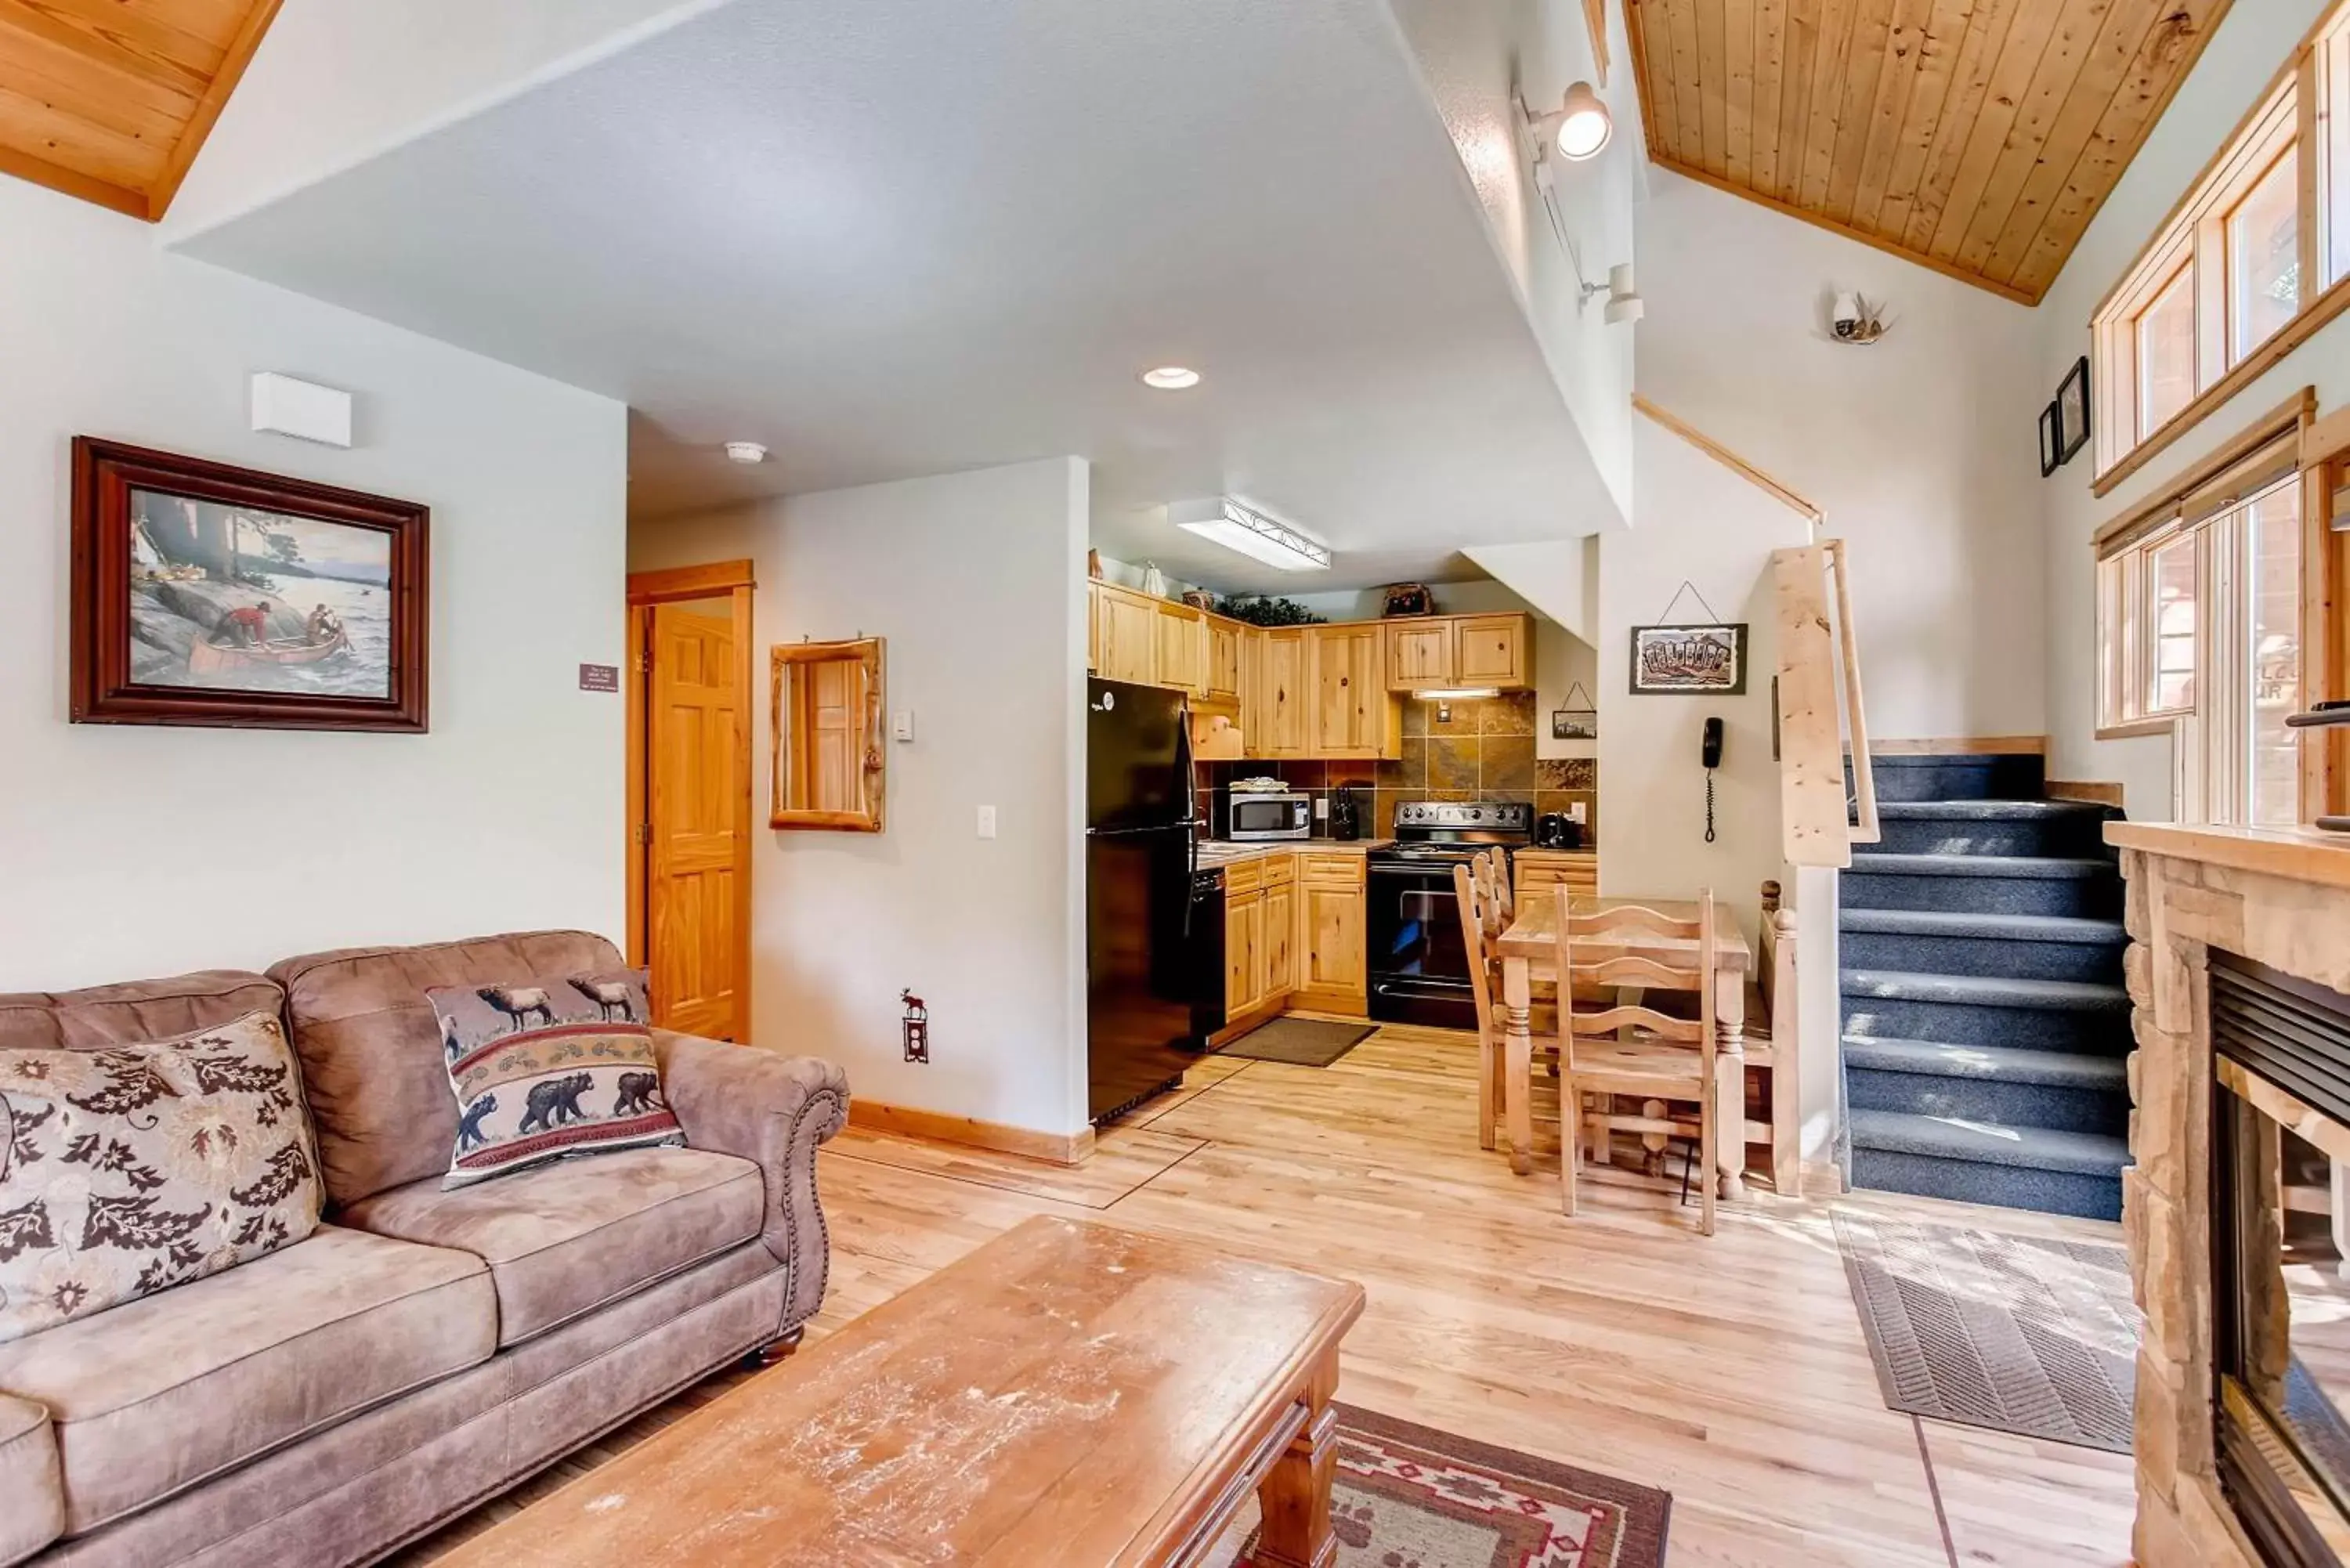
548, 1068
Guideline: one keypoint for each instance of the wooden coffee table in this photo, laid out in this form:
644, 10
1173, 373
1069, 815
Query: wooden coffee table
1069, 1394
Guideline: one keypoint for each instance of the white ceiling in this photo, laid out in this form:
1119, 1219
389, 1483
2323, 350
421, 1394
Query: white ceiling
900, 237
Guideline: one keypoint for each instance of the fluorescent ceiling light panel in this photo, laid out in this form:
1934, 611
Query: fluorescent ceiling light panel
1259, 537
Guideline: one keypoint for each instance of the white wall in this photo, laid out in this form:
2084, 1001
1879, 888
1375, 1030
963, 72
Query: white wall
132, 851
1922, 448
977, 581
2252, 44
1699, 523
1474, 54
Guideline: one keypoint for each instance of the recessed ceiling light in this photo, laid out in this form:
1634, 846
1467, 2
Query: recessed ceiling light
1171, 377
745, 452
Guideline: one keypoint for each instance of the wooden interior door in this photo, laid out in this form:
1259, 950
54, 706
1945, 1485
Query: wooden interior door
697, 814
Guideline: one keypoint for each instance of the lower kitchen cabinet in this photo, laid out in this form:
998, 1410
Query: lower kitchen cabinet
1332, 909
1280, 940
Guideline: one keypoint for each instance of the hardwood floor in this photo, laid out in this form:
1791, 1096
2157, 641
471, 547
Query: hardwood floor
1731, 1371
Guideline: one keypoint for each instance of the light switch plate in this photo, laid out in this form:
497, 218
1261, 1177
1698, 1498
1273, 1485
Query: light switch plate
987, 822
901, 725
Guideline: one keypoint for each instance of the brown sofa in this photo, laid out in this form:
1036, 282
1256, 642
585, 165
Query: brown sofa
424, 1350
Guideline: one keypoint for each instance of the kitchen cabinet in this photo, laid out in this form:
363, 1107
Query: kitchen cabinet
1355, 715
1244, 954
1287, 696
1126, 631
1537, 871
1332, 906
1280, 939
1461, 650
1181, 647
1493, 650
1221, 684
1419, 654
1260, 934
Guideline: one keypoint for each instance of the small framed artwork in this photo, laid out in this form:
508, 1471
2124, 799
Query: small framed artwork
2072, 412
2049, 460
1696, 660
216, 596
1578, 719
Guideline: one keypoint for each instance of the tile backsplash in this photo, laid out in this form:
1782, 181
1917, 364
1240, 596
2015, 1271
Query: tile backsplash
1468, 749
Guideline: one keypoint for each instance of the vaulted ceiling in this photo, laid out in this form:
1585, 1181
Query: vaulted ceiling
110, 100
1978, 137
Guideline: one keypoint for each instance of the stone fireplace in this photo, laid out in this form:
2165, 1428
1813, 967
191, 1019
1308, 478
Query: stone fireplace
2238, 1208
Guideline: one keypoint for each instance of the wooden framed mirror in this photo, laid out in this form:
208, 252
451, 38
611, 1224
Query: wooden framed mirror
828, 763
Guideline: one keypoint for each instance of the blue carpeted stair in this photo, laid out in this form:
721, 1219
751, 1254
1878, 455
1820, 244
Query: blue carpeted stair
1985, 1025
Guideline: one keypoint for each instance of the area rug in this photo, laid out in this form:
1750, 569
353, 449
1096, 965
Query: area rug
1410, 1497
2018, 1334
1300, 1042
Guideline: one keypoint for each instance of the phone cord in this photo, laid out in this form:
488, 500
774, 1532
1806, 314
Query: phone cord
1708, 805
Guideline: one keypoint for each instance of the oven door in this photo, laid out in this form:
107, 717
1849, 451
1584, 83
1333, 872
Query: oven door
1418, 960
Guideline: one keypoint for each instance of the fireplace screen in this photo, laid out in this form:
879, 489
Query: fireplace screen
2280, 1234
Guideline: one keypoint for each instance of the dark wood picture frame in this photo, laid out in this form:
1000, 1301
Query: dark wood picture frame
103, 689
2050, 442
2072, 416
1734, 633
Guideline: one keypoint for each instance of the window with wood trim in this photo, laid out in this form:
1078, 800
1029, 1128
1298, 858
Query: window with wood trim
2220, 282
2200, 631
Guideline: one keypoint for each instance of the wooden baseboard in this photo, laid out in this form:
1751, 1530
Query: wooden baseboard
1823, 1179
1960, 746
1059, 1148
2097, 792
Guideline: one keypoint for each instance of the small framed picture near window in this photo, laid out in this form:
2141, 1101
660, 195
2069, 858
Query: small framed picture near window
216, 596
2049, 461
1689, 661
2072, 412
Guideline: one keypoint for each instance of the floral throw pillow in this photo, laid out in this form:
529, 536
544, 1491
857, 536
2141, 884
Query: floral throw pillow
128, 1170
548, 1068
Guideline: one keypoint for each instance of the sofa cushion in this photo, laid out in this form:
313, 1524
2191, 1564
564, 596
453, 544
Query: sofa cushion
372, 1063
547, 1067
565, 1239
128, 1170
32, 1495
161, 1393
107, 1015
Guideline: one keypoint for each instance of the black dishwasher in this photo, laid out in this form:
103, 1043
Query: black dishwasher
1207, 949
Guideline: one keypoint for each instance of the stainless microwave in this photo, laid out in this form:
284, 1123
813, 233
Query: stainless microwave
1249, 815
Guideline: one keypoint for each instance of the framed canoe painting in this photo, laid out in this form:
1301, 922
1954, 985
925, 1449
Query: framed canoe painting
209, 595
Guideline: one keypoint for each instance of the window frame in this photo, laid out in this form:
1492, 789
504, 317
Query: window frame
2305, 107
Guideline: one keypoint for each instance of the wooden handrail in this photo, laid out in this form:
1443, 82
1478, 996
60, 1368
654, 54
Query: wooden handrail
1866, 829
1815, 830
1731, 461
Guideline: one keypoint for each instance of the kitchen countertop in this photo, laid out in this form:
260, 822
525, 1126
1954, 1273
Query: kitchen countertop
1216, 852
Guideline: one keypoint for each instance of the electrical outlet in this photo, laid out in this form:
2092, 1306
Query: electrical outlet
1321, 808
1575, 811
987, 822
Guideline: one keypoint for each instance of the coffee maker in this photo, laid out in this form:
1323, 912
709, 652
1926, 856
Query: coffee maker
1346, 816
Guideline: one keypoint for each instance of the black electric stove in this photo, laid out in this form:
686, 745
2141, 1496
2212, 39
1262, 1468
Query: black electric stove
1419, 962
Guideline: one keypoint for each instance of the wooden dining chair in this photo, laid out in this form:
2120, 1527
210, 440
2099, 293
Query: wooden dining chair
1631, 1050
1469, 889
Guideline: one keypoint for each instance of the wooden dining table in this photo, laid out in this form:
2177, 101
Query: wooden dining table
1529, 952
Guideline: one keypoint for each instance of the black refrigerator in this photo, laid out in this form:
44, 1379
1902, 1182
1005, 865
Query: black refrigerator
1139, 924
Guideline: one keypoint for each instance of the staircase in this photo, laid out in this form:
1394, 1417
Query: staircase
1985, 1023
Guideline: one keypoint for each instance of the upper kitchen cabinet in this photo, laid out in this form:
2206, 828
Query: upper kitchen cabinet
1182, 638
1284, 726
1126, 632
1468, 650
1222, 686
1354, 713
1493, 650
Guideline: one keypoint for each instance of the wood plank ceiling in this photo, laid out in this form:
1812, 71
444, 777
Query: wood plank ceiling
1978, 137
110, 100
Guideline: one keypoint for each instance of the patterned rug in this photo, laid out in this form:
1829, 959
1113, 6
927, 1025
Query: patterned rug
1411, 1496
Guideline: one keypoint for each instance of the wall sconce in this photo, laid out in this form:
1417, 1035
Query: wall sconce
1624, 303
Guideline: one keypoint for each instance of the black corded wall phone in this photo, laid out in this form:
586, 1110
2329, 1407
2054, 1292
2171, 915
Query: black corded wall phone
1710, 754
